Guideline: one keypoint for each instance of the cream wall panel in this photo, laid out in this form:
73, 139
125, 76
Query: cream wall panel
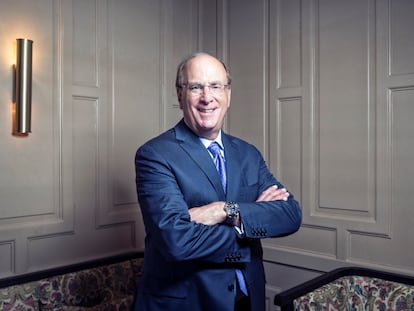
248, 60
402, 151
85, 42
6, 257
210, 23
136, 106
85, 159
286, 106
344, 106
401, 37
394, 149
289, 144
303, 241
288, 39
52, 251
33, 155
383, 251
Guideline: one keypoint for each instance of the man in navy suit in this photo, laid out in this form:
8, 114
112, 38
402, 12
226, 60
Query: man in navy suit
203, 229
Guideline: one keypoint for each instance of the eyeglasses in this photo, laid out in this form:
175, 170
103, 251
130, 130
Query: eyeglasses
197, 89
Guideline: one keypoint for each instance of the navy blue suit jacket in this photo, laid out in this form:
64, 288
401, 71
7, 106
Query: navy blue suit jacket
191, 266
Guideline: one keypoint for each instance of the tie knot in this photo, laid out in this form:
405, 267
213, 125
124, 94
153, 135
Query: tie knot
214, 148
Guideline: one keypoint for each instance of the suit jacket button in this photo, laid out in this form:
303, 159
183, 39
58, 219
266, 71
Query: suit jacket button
231, 287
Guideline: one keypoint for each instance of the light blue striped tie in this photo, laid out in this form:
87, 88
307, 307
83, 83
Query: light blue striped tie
220, 163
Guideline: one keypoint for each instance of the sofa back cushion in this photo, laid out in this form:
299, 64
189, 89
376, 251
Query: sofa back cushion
19, 297
89, 287
103, 284
358, 293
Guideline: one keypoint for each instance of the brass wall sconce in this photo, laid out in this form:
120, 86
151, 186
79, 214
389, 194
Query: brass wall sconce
23, 87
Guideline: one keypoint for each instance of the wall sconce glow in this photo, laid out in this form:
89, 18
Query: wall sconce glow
23, 87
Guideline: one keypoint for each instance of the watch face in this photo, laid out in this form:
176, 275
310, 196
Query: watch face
232, 210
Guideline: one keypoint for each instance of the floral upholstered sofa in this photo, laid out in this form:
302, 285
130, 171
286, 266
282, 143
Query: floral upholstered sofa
105, 284
353, 289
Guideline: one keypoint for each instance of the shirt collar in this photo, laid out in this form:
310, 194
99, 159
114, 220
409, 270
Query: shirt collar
206, 142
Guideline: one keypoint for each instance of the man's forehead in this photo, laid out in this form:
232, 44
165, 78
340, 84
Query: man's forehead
206, 68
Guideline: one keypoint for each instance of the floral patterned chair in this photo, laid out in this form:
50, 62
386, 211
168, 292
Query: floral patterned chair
99, 285
353, 289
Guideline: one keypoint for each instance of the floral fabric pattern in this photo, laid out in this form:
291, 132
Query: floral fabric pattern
356, 293
19, 297
110, 287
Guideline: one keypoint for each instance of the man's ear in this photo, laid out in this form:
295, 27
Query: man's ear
179, 92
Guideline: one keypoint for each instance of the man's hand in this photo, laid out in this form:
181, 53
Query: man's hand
210, 214
272, 194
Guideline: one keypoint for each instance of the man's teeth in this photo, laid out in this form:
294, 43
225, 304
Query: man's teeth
206, 110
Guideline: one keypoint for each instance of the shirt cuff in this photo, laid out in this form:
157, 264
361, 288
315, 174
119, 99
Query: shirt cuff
240, 230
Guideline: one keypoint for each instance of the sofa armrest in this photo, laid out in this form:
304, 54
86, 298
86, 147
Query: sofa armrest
285, 299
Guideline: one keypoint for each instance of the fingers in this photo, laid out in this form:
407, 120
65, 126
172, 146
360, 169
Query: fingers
272, 194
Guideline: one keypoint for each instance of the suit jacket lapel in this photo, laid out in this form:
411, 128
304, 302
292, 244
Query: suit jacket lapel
233, 167
196, 150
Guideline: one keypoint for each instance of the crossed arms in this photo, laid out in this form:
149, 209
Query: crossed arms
213, 213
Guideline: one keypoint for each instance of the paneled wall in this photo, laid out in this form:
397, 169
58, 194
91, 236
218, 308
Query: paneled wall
325, 89
103, 83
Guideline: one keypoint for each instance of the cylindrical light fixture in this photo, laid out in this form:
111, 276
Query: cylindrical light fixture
23, 87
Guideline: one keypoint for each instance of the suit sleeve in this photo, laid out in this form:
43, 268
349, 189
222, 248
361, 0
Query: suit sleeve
268, 219
167, 220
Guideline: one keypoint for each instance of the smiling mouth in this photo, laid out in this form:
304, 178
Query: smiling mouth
206, 110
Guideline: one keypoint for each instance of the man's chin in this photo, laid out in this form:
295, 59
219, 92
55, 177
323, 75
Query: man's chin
208, 132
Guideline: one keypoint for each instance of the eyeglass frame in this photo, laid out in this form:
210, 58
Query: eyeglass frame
215, 88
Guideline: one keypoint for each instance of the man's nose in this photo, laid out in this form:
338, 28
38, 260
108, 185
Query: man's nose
206, 94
